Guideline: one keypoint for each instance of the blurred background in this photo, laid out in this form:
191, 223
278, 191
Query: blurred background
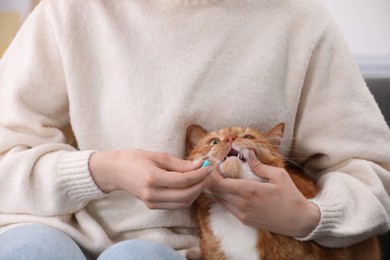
364, 23
366, 27
12, 14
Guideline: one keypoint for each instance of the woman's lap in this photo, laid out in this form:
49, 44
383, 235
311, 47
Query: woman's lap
36, 241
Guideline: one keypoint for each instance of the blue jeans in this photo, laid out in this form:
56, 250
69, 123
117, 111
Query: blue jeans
36, 241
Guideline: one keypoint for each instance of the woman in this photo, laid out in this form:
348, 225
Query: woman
129, 76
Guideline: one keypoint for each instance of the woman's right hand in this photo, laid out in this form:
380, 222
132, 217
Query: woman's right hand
160, 180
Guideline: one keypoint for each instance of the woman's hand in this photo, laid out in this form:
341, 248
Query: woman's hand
277, 206
160, 180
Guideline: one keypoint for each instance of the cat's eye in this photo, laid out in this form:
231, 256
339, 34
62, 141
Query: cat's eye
213, 142
248, 136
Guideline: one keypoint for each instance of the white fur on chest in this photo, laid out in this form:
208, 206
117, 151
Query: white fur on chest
238, 241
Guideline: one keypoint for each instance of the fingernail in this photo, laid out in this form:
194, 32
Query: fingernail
197, 161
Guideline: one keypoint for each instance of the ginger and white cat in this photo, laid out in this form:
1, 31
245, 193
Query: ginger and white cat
223, 236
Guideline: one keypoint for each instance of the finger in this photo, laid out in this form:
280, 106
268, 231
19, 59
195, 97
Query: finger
233, 186
240, 187
168, 179
255, 164
180, 195
227, 198
214, 178
263, 170
229, 203
219, 184
171, 163
216, 173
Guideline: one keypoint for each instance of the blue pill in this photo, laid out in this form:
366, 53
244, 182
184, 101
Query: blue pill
205, 164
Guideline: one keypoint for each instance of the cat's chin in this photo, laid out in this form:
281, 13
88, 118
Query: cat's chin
231, 168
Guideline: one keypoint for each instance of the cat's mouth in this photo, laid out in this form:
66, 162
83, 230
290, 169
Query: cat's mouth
234, 153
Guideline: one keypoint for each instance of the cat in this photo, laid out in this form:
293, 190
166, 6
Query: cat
223, 236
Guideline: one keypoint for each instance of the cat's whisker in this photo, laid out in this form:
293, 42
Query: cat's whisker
291, 149
288, 160
264, 150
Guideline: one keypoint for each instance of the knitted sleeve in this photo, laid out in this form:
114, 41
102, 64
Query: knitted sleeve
344, 144
39, 173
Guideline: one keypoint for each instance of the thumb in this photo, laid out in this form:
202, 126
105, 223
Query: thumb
261, 170
171, 163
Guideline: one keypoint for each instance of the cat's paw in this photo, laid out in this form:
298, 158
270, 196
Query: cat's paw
231, 168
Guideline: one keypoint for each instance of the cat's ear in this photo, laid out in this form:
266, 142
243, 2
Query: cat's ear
275, 134
194, 134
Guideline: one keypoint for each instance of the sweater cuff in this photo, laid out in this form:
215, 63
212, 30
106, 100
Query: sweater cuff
331, 213
75, 177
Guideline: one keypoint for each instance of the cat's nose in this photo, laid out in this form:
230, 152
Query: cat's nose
230, 138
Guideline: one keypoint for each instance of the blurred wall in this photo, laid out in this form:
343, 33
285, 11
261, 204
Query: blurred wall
12, 14
364, 23
366, 27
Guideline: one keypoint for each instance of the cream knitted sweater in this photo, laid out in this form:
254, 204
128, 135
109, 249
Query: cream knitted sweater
135, 73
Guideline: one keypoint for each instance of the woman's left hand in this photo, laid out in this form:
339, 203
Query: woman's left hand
277, 206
